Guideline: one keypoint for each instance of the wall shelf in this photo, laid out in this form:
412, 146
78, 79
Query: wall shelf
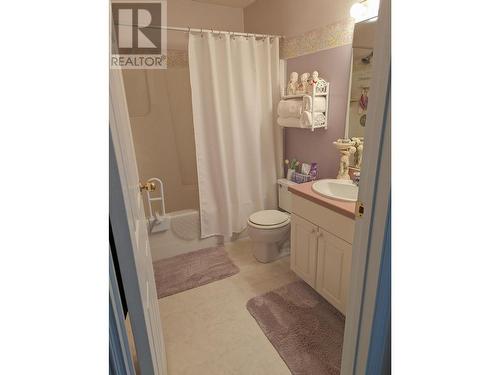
320, 89
285, 97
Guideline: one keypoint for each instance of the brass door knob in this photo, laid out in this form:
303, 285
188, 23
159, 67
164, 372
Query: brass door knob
148, 186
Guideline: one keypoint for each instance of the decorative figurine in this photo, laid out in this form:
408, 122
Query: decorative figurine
312, 82
302, 89
292, 84
358, 154
315, 77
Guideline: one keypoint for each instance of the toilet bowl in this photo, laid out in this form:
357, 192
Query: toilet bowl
269, 231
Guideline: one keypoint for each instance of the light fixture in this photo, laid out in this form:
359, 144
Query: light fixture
364, 10
373, 6
358, 11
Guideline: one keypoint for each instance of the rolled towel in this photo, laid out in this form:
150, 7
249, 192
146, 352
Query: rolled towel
290, 108
306, 118
319, 103
290, 122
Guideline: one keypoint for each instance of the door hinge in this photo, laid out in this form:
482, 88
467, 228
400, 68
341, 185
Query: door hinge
360, 209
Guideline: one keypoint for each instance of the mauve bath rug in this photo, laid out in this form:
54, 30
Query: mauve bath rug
304, 328
190, 270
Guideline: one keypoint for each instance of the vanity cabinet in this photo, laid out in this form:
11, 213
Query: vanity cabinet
334, 269
303, 237
321, 249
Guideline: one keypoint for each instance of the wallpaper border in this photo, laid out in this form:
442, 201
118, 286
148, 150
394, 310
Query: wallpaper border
330, 36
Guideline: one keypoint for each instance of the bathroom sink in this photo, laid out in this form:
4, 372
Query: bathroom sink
336, 189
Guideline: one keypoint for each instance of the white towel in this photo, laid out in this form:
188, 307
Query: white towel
290, 122
319, 103
306, 118
290, 108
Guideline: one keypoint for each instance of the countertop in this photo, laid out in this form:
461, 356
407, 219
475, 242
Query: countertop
305, 191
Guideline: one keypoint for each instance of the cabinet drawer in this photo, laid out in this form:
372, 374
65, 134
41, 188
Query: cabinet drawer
329, 220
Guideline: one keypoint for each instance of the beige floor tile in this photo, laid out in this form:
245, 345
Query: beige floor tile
205, 368
208, 330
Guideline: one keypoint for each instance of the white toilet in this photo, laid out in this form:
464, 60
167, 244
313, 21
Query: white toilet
269, 230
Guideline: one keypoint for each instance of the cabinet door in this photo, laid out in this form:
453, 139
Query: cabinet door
304, 249
334, 268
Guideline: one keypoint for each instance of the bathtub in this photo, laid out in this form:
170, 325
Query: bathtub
182, 235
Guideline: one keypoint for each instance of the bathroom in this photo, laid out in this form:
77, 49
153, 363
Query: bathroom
250, 187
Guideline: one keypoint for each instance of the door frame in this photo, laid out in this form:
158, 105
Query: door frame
124, 241
369, 288
130, 278
120, 360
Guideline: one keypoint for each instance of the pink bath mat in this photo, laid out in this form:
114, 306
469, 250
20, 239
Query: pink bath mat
187, 271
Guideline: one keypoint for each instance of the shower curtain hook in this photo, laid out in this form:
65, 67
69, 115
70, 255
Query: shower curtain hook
201, 32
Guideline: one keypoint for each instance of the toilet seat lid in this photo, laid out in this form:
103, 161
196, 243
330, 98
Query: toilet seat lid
268, 217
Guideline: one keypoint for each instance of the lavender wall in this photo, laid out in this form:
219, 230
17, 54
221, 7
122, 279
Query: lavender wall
334, 66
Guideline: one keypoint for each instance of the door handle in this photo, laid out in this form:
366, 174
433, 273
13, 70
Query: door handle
148, 186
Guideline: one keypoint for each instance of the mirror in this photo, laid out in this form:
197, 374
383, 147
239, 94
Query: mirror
361, 77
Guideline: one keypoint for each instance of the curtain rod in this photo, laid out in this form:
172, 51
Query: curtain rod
189, 29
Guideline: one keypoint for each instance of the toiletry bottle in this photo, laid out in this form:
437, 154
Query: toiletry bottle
314, 171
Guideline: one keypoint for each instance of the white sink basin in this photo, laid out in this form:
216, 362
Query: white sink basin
336, 189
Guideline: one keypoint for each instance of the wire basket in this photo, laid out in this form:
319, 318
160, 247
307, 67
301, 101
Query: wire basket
300, 178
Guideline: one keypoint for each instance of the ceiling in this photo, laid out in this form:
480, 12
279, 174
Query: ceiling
228, 3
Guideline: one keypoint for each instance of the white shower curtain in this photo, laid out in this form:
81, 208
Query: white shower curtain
235, 87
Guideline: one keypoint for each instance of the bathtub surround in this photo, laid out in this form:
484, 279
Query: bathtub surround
191, 270
304, 328
182, 236
159, 104
235, 85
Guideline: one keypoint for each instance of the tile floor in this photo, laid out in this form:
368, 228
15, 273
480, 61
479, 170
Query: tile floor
208, 330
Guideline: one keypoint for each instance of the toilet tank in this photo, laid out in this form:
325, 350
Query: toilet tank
284, 196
